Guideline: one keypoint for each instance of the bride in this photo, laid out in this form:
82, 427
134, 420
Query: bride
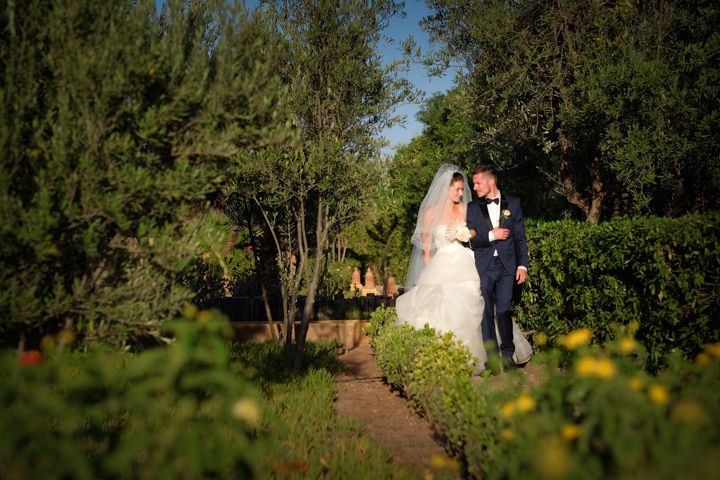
442, 288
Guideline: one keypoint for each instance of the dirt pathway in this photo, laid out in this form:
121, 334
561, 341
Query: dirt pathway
387, 417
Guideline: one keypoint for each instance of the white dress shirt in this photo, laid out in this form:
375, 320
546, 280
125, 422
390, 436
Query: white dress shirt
494, 212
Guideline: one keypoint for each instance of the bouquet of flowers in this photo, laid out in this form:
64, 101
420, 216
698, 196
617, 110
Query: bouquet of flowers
458, 231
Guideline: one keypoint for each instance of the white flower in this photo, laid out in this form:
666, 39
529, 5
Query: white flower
463, 234
505, 214
247, 409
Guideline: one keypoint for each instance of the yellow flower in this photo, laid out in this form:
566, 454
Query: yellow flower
703, 359
507, 434
508, 409
47, 343
248, 410
443, 461
635, 383
585, 367
570, 431
204, 316
713, 349
627, 345
577, 338
66, 337
633, 327
689, 412
605, 368
525, 403
658, 393
595, 367
189, 310
552, 459
540, 339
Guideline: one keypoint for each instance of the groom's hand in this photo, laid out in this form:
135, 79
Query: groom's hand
520, 275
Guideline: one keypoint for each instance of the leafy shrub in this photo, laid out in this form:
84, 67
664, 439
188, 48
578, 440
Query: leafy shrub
116, 124
191, 409
171, 412
266, 359
658, 273
595, 412
318, 443
380, 318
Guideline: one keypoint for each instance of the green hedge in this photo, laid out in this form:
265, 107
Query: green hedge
590, 412
658, 273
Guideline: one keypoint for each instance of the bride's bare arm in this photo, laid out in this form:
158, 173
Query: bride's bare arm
427, 235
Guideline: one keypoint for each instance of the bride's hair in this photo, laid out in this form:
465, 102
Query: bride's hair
434, 211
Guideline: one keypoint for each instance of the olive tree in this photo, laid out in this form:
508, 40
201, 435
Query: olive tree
115, 124
341, 97
614, 102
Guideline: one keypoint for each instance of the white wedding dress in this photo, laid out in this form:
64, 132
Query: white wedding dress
447, 297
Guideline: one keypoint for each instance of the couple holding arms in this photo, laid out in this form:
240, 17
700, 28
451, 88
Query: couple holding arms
467, 256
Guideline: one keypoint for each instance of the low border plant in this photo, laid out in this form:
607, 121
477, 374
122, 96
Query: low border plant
592, 411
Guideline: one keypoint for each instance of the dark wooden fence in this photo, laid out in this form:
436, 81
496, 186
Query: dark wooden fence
252, 309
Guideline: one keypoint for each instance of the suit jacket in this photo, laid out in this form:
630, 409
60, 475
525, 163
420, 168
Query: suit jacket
513, 250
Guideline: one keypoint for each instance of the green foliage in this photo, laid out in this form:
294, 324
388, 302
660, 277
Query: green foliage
612, 105
115, 125
618, 422
582, 412
380, 318
172, 412
319, 443
658, 273
202, 407
299, 416
419, 351
342, 96
267, 359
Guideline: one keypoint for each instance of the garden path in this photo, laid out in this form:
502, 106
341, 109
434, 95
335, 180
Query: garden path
386, 415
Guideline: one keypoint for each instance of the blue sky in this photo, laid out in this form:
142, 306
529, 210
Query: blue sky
399, 29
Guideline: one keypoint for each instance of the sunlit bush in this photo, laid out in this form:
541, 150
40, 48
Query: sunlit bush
591, 411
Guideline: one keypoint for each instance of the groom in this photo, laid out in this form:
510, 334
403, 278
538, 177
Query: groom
498, 241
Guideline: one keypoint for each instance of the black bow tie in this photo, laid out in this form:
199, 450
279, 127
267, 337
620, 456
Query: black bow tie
492, 200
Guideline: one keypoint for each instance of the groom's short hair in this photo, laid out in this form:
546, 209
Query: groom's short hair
487, 170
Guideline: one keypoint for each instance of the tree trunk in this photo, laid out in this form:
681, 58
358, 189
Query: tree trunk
321, 236
590, 207
258, 276
597, 193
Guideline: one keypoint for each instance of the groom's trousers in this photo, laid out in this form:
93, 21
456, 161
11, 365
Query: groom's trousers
497, 290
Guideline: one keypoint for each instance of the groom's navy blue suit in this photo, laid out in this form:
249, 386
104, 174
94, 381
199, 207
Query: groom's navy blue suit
497, 272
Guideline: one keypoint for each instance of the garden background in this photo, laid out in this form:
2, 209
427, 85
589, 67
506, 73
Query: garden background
155, 160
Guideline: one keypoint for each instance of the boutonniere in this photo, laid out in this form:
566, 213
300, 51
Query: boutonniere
505, 214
